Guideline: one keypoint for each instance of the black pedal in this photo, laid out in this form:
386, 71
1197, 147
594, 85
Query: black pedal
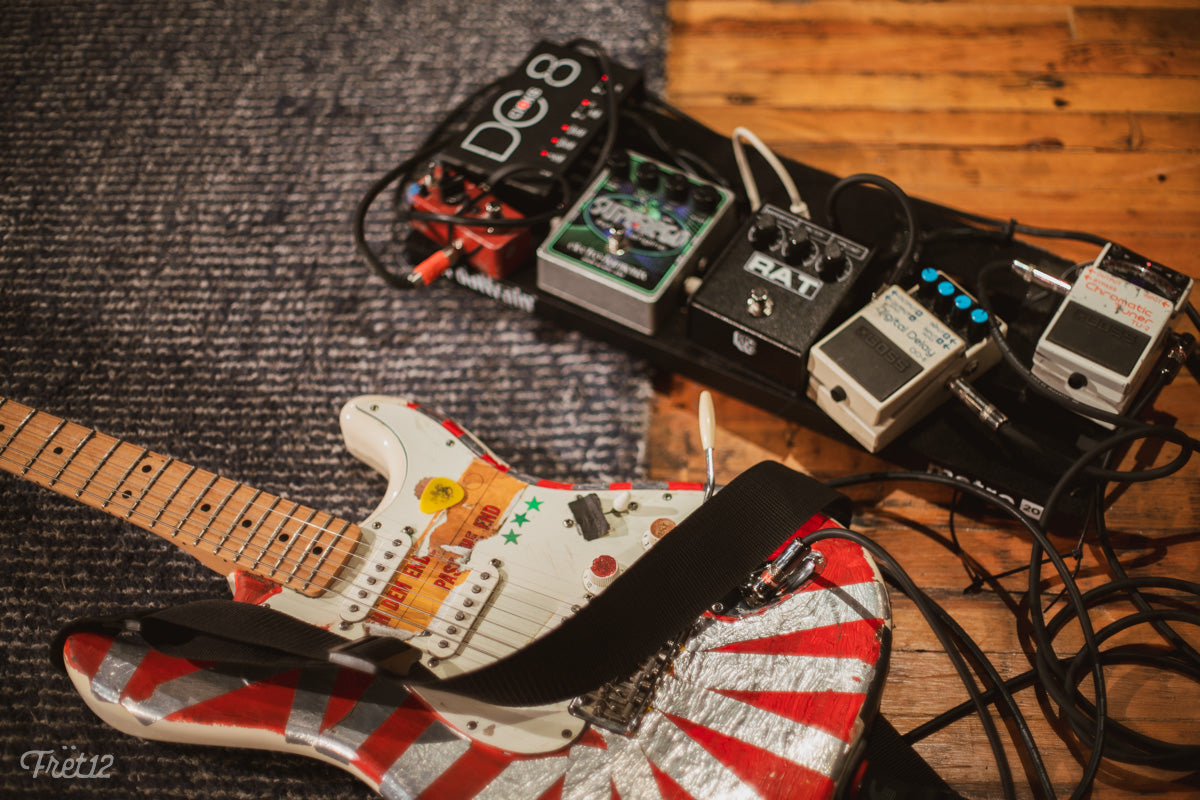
544, 114
774, 291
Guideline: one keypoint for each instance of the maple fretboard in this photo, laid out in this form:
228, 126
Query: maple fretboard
224, 524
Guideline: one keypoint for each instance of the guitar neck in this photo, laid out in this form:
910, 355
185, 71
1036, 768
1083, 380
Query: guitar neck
224, 524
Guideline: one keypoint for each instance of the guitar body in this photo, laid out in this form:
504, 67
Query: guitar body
469, 561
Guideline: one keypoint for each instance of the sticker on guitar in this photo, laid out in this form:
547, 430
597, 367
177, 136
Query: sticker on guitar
469, 561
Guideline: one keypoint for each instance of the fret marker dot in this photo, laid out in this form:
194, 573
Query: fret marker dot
146, 467
283, 537
58, 451
246, 523
317, 551
206, 508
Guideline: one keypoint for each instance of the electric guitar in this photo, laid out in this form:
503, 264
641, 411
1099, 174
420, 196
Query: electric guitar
468, 561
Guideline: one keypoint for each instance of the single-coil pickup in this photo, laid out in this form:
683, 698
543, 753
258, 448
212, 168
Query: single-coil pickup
387, 552
458, 613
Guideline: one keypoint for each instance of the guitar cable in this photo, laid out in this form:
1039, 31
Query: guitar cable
1059, 676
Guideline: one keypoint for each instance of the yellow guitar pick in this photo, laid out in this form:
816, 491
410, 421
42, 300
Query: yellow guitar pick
440, 494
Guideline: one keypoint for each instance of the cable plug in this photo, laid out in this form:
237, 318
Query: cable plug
433, 267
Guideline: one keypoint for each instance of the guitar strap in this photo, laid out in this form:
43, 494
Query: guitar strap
704, 559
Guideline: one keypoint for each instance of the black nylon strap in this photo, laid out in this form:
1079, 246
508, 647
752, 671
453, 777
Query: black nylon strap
705, 557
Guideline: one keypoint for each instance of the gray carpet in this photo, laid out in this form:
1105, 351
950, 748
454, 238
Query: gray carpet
176, 269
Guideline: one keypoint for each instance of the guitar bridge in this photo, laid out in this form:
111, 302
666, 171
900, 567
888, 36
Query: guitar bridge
620, 704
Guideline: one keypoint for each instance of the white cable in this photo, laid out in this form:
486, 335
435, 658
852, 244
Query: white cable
798, 207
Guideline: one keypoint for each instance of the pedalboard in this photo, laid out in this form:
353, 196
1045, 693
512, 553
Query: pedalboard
889, 364
625, 247
657, 256
542, 116
1104, 338
773, 291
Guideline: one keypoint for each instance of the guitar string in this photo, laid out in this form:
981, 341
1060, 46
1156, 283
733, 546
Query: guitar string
134, 510
151, 493
429, 615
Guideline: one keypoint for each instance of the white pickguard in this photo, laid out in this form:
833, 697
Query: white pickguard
532, 544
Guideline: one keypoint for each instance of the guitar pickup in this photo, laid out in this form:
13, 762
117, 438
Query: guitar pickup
451, 626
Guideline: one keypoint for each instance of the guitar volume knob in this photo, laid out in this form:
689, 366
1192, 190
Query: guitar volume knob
602, 572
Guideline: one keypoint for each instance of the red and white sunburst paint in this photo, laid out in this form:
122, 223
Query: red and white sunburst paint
767, 706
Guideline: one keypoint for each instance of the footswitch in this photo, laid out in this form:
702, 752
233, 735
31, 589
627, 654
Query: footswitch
773, 291
1105, 336
625, 247
888, 365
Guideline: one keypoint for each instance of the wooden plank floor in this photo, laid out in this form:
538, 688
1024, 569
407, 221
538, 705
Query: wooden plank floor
1084, 117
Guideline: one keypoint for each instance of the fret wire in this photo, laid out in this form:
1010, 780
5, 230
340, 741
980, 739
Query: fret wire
195, 502
99, 465
45, 443
146, 489
257, 526
124, 477
344, 526
340, 533
216, 513
20, 426
325, 554
90, 482
221, 544
278, 529
312, 542
91, 432
171, 497
292, 542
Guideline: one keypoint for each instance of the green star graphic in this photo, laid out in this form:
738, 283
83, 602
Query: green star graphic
534, 504
520, 519
511, 537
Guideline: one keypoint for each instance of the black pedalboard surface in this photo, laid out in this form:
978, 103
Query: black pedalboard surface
660, 253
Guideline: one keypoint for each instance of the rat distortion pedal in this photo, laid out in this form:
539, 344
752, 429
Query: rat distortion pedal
773, 291
889, 364
625, 247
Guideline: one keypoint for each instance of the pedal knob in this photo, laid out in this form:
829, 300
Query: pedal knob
763, 233
943, 297
833, 262
453, 187
618, 162
927, 283
979, 326
603, 571
796, 247
960, 311
646, 176
705, 199
678, 187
